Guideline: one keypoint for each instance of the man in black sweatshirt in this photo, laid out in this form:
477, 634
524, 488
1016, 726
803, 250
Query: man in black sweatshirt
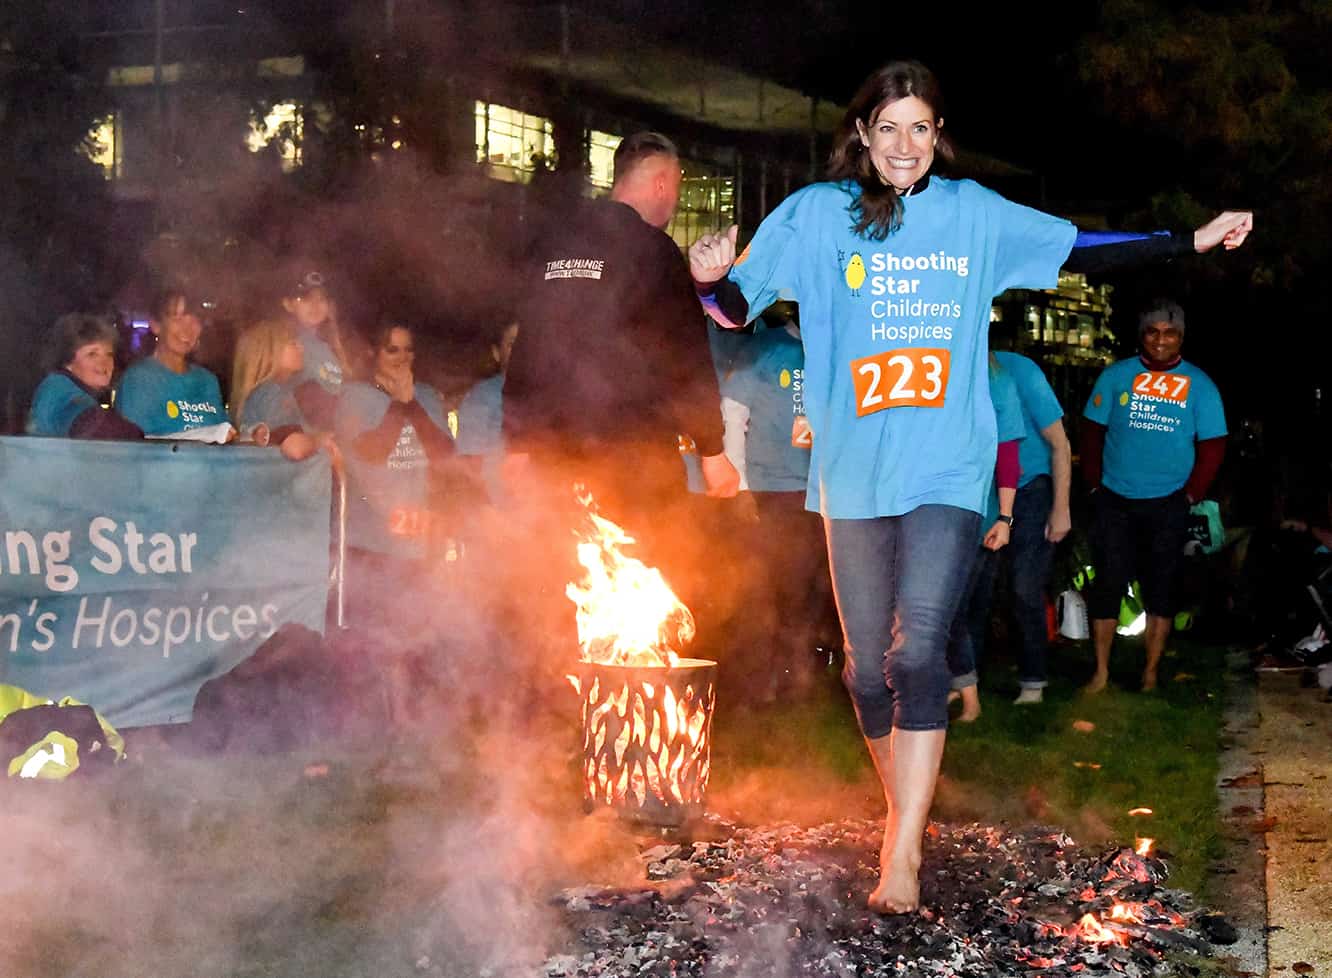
611, 365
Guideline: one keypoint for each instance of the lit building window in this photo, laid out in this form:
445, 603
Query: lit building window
512, 143
103, 146
601, 148
707, 203
280, 125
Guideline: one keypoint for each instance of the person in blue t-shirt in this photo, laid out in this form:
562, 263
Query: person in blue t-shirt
1154, 438
1040, 517
263, 390
793, 611
895, 269
480, 416
393, 432
324, 363
69, 402
166, 394
967, 641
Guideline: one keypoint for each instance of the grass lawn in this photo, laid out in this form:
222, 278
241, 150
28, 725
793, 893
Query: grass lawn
1016, 764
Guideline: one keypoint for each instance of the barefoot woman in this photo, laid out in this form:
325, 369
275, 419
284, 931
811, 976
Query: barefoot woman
894, 270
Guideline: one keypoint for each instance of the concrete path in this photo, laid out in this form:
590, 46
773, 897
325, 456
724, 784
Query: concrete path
1294, 745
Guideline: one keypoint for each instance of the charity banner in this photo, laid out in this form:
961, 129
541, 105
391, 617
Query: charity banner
132, 573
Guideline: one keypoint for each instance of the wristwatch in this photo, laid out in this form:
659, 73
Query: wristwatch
1006, 519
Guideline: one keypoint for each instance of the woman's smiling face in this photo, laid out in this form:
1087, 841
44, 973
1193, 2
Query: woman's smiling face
900, 140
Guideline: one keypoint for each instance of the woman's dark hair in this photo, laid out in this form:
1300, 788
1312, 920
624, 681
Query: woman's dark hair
75, 330
164, 302
878, 210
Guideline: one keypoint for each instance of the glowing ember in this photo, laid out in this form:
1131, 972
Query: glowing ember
1141, 811
1144, 847
1125, 913
627, 613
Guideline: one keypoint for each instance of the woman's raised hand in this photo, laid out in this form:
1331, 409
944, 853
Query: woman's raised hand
1229, 228
711, 256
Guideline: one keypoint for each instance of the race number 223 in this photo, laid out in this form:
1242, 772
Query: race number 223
912, 377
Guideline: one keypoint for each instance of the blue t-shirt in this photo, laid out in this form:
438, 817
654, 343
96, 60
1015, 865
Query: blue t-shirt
272, 403
896, 336
1152, 419
319, 364
163, 402
1040, 409
481, 418
1008, 421
388, 504
481, 431
767, 376
57, 402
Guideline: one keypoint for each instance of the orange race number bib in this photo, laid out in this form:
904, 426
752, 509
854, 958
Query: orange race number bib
403, 522
802, 436
912, 377
1162, 386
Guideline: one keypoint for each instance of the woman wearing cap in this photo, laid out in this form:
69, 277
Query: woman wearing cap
324, 366
895, 269
69, 401
166, 394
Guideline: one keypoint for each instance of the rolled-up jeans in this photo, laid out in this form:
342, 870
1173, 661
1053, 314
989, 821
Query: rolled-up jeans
899, 581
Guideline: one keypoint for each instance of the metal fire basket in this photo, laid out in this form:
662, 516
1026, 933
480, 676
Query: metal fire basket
647, 738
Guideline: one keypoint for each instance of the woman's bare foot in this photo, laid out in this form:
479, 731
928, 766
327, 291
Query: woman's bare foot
899, 887
971, 708
1098, 682
1148, 680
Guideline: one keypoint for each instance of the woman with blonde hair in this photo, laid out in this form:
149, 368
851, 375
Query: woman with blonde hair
263, 390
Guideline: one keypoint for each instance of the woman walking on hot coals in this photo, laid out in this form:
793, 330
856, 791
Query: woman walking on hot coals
895, 268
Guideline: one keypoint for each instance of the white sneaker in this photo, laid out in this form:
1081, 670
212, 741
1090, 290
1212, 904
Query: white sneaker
1028, 697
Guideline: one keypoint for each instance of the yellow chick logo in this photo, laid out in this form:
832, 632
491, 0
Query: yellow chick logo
785, 378
855, 273
1123, 398
173, 411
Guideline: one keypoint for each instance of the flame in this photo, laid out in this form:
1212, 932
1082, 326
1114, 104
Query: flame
627, 614
1141, 811
1125, 913
1093, 931
1144, 847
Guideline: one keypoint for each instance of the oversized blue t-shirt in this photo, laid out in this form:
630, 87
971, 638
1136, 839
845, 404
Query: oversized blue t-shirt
163, 402
272, 403
481, 430
481, 418
1152, 419
767, 376
319, 363
388, 504
56, 403
1040, 409
896, 336
1010, 426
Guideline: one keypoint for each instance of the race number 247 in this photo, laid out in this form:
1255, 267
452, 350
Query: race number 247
911, 377
1163, 386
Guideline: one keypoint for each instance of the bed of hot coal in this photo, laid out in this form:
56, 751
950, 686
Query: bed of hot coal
783, 900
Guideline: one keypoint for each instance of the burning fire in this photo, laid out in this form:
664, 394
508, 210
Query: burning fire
1093, 931
627, 613
647, 713
1144, 847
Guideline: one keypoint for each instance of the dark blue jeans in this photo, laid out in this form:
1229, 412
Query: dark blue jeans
966, 643
1028, 557
899, 581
